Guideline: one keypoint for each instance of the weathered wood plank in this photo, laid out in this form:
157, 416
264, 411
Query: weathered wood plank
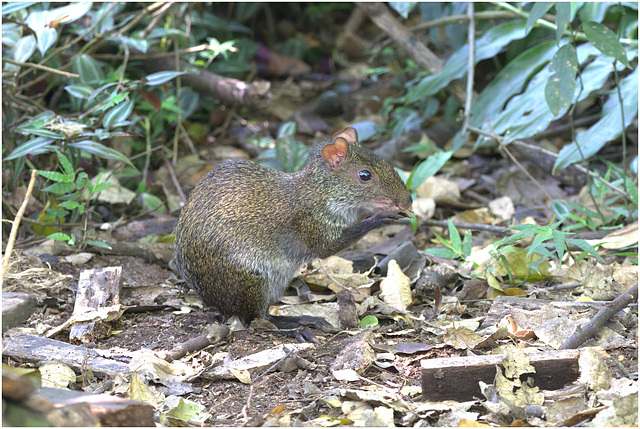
32, 348
457, 378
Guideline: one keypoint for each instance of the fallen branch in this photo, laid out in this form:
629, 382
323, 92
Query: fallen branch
379, 13
591, 328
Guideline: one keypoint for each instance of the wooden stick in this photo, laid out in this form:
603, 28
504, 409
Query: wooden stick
590, 329
16, 224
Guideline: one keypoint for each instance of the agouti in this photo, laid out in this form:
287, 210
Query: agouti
245, 229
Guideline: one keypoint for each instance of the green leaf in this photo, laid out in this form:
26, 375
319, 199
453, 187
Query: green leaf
368, 321
43, 133
118, 113
403, 8
443, 253
466, 244
15, 6
561, 85
70, 13
537, 11
606, 41
428, 168
59, 236
586, 247
79, 91
98, 243
539, 239
560, 209
25, 47
35, 146
56, 176
559, 243
100, 151
563, 12
508, 82
46, 38
89, 70
60, 188
454, 236
161, 77
487, 46
67, 168
608, 128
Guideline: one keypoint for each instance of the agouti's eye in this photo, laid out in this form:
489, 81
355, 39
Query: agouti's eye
365, 175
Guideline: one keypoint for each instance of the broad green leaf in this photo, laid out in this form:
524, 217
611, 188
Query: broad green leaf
100, 150
25, 47
368, 320
43, 133
10, 34
428, 168
537, 11
609, 126
161, 77
403, 8
563, 11
508, 82
98, 243
538, 240
32, 147
70, 13
141, 45
561, 85
89, 70
59, 236
487, 46
46, 38
560, 209
118, 113
79, 91
56, 176
61, 188
69, 205
15, 6
606, 41
594, 11
67, 168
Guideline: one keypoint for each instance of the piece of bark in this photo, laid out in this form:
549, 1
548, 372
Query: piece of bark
32, 348
155, 253
423, 56
457, 378
16, 308
254, 94
591, 328
97, 288
110, 410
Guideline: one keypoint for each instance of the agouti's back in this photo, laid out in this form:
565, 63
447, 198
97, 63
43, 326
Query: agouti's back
245, 229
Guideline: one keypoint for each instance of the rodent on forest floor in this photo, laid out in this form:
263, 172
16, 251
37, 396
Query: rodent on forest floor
245, 229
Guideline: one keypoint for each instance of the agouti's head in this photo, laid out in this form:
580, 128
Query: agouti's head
368, 183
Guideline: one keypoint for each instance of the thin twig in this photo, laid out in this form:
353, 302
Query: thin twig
582, 169
41, 67
467, 225
16, 224
471, 60
454, 19
174, 179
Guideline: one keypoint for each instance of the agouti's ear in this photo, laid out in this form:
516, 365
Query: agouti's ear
335, 153
349, 134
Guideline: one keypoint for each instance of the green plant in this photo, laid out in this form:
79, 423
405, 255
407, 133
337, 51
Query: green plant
456, 248
548, 243
287, 154
71, 193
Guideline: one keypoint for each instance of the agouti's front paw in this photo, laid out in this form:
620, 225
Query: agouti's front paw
384, 218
